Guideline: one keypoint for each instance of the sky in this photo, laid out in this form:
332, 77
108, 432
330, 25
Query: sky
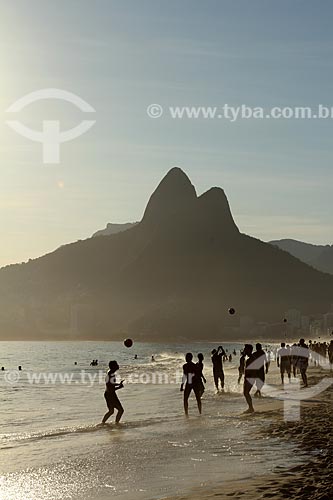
120, 56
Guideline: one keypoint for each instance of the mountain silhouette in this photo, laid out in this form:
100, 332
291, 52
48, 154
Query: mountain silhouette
112, 228
318, 256
172, 276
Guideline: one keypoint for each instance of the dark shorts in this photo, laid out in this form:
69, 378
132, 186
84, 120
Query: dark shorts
112, 401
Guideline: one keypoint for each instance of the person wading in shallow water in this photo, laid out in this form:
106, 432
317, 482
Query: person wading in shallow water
241, 367
302, 362
261, 366
218, 372
283, 360
250, 375
202, 380
110, 395
191, 380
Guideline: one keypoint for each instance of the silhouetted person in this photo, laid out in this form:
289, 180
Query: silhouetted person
249, 376
20, 368
241, 368
136, 356
330, 354
303, 360
152, 359
284, 361
201, 378
262, 368
110, 395
269, 357
293, 358
218, 372
191, 381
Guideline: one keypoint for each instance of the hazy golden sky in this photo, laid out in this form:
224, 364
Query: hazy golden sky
122, 56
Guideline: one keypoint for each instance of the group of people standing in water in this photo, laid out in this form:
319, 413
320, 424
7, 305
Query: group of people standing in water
253, 367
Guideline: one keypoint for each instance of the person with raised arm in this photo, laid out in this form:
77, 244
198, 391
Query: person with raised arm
218, 373
110, 395
250, 375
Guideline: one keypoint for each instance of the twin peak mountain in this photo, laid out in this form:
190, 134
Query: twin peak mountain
172, 276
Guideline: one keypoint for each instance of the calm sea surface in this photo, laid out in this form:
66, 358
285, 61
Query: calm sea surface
52, 446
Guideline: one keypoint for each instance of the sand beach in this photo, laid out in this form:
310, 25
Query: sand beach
313, 439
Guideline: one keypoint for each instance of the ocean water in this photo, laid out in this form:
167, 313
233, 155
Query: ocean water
53, 447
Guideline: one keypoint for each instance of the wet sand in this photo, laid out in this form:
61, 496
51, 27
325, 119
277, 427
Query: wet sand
313, 439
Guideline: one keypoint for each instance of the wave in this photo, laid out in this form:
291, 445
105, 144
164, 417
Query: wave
82, 429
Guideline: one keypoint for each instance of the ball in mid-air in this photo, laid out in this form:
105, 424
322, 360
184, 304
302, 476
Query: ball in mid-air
128, 342
231, 310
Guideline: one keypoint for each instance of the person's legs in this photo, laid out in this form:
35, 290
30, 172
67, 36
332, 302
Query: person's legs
304, 376
120, 412
110, 411
201, 389
221, 377
198, 397
282, 375
216, 379
260, 385
107, 416
187, 392
247, 395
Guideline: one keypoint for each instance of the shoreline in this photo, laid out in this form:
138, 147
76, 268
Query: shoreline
313, 438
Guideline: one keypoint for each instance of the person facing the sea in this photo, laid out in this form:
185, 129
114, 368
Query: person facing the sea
218, 372
201, 378
261, 366
250, 375
269, 357
110, 395
191, 381
283, 360
293, 358
241, 367
303, 360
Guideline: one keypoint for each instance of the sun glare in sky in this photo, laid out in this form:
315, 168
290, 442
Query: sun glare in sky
276, 173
